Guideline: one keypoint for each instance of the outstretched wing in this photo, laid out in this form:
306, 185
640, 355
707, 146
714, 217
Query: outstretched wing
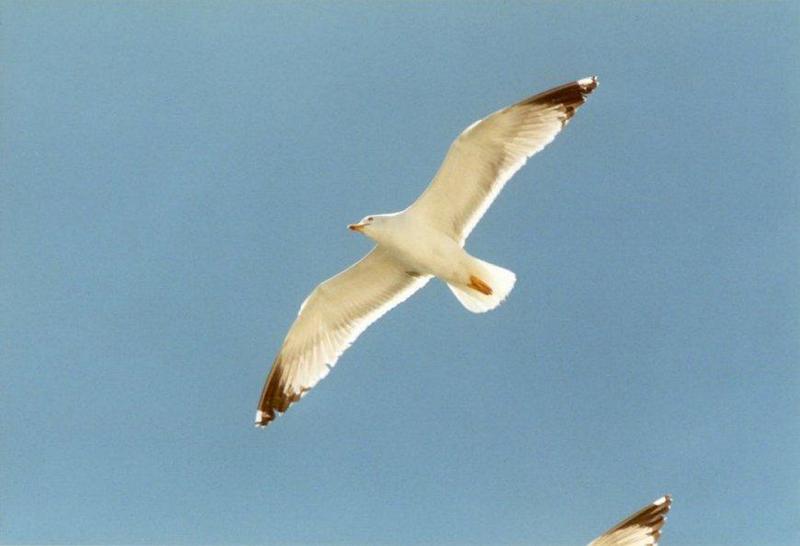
641, 529
329, 321
488, 153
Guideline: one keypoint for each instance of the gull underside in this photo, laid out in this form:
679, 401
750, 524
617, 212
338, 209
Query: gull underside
423, 241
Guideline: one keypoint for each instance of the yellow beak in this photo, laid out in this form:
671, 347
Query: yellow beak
356, 227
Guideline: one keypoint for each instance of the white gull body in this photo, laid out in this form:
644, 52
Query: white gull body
426, 251
423, 241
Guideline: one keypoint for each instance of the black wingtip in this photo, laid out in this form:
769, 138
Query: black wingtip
654, 516
568, 97
274, 397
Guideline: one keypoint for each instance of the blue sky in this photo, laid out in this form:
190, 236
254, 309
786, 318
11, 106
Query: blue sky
175, 178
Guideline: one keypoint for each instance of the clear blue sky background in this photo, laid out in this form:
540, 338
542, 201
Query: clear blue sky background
175, 178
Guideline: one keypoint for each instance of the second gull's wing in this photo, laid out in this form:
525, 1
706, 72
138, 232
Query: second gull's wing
331, 319
641, 529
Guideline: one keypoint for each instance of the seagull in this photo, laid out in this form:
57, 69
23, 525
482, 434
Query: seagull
425, 240
641, 529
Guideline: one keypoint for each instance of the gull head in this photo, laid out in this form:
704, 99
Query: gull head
365, 225
378, 227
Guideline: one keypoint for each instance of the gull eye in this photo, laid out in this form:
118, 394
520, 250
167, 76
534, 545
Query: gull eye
370, 219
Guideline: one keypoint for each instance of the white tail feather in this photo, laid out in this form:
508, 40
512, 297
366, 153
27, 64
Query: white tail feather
499, 279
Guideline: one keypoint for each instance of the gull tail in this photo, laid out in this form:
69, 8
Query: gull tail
486, 286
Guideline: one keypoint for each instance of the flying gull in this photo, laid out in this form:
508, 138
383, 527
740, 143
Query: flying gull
641, 529
423, 241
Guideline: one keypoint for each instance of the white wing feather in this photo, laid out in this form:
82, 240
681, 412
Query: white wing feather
329, 321
488, 153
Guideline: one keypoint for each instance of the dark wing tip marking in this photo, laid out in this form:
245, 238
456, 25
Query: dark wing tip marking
652, 516
658, 512
274, 398
570, 96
